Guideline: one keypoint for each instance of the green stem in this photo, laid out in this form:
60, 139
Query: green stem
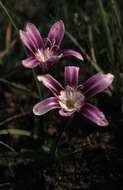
8, 15
55, 145
74, 40
16, 28
8, 147
19, 86
37, 85
105, 25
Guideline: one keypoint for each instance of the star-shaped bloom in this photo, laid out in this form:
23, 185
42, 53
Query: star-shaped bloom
73, 97
45, 52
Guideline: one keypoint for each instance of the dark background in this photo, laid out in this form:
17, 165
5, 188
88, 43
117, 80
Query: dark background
88, 156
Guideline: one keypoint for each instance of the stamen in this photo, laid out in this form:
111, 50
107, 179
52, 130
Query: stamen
52, 44
44, 54
71, 99
49, 41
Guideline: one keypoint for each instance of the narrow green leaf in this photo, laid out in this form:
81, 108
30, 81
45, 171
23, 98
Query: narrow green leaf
15, 132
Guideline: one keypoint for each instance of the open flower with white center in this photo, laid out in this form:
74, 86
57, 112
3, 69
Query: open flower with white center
73, 97
45, 52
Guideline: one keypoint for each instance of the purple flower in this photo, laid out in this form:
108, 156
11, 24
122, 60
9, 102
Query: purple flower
73, 97
45, 52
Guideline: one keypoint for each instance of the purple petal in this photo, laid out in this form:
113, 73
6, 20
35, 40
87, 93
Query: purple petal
97, 83
56, 33
30, 63
53, 59
51, 84
71, 75
63, 113
94, 114
26, 41
70, 52
34, 35
45, 106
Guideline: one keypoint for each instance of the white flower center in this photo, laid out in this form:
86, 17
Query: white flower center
71, 99
43, 54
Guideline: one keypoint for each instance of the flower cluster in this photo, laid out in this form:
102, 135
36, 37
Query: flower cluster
71, 97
